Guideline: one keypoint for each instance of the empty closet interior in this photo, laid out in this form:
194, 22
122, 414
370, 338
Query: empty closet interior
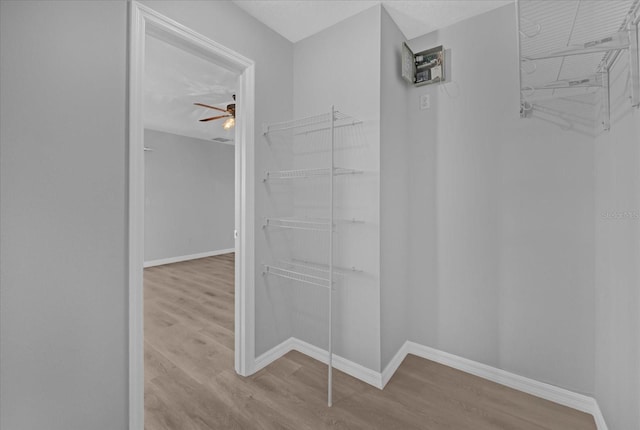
460, 218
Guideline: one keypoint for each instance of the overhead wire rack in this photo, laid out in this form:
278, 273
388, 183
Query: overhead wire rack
566, 49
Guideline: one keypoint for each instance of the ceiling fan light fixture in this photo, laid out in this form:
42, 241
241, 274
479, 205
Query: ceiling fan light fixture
229, 123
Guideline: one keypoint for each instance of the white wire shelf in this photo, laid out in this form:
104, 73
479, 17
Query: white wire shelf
305, 271
312, 224
311, 124
324, 268
308, 173
306, 275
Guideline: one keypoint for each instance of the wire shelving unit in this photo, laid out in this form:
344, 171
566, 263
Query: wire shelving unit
298, 270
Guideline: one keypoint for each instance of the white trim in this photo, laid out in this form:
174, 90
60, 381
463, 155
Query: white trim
180, 258
145, 21
393, 365
347, 366
273, 354
530, 386
136, 218
598, 417
379, 380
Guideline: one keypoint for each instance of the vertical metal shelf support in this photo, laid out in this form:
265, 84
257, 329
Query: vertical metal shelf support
605, 113
331, 229
634, 64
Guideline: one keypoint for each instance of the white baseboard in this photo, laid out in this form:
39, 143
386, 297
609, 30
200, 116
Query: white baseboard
393, 365
598, 417
273, 354
380, 379
344, 365
180, 258
530, 386
347, 366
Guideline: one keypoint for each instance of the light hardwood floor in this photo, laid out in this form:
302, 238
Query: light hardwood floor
190, 383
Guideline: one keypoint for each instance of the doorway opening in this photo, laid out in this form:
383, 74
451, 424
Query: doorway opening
146, 28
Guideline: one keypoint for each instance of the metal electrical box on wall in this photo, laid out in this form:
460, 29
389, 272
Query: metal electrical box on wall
424, 67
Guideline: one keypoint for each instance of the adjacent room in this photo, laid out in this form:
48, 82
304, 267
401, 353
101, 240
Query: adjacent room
313, 214
189, 118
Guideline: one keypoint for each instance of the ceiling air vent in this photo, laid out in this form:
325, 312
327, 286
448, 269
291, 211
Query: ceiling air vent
222, 139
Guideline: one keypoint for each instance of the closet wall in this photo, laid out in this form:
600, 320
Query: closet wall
189, 196
502, 225
395, 194
63, 301
617, 268
341, 66
63, 209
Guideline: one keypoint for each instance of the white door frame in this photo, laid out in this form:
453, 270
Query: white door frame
144, 21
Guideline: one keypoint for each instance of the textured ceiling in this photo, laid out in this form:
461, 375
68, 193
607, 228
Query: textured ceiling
298, 19
174, 80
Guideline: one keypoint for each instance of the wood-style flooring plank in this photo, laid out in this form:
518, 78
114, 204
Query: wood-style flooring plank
190, 383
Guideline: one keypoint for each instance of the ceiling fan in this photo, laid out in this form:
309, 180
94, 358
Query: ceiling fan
230, 111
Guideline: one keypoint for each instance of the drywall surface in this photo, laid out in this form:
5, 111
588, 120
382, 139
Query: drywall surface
63, 312
617, 358
230, 26
64, 335
508, 204
394, 193
341, 66
189, 196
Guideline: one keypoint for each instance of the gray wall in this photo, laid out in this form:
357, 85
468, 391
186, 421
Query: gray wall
617, 218
63, 224
508, 204
63, 200
189, 196
394, 193
341, 66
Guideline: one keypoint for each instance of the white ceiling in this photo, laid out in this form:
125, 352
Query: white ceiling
298, 19
174, 80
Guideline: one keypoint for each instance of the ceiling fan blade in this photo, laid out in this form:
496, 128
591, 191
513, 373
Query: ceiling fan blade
210, 107
215, 117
